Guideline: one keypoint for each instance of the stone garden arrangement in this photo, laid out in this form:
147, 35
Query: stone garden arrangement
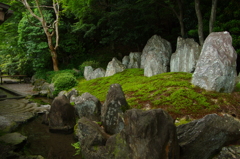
113, 131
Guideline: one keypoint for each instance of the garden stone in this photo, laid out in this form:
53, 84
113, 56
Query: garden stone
156, 55
203, 138
62, 93
135, 60
97, 73
72, 92
216, 67
88, 106
113, 108
229, 152
114, 67
125, 60
51, 90
147, 135
91, 137
61, 115
186, 56
38, 84
88, 70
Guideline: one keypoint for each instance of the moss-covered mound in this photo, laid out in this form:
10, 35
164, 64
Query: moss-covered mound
172, 92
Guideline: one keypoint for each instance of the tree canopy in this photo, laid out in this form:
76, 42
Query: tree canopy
101, 29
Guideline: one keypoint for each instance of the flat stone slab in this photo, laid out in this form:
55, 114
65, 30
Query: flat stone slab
13, 138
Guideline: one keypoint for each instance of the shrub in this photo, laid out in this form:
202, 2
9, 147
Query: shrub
64, 82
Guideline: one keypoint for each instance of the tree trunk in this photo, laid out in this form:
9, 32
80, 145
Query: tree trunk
200, 22
213, 15
54, 59
180, 18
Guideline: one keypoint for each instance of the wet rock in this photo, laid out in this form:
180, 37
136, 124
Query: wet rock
216, 67
61, 115
13, 139
147, 135
88, 106
134, 60
203, 138
92, 139
125, 60
113, 109
186, 56
156, 55
6, 124
114, 67
229, 152
88, 70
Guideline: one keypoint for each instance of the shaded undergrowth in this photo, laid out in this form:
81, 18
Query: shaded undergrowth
171, 91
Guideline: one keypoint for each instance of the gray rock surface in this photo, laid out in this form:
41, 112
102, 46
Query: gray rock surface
71, 93
88, 70
114, 67
229, 152
156, 55
88, 106
216, 67
61, 115
203, 138
147, 135
97, 73
186, 56
134, 60
125, 60
113, 108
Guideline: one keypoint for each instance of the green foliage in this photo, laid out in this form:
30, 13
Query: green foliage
77, 148
92, 63
64, 82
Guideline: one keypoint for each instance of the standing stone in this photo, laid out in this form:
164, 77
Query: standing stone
186, 56
147, 135
113, 109
156, 56
135, 60
97, 73
61, 115
88, 106
216, 67
114, 67
203, 138
125, 60
88, 70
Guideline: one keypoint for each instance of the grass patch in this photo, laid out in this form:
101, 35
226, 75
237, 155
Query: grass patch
171, 91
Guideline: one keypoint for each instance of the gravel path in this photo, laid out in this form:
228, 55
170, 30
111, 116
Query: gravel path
25, 89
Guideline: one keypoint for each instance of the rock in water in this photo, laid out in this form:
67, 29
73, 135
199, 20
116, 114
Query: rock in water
114, 67
113, 109
156, 55
88, 106
203, 138
186, 56
61, 115
146, 135
216, 66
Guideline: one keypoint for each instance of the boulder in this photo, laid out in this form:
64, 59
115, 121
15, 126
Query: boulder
156, 55
125, 60
203, 138
88, 106
216, 67
92, 138
186, 56
51, 89
38, 84
147, 135
61, 115
97, 73
88, 70
71, 93
113, 108
229, 152
114, 67
134, 60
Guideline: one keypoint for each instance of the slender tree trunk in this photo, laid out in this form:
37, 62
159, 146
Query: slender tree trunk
213, 15
200, 22
180, 18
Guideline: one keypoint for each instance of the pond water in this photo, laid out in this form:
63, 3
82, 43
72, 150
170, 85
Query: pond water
49, 145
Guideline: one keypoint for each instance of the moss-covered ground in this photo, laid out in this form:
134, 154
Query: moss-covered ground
172, 92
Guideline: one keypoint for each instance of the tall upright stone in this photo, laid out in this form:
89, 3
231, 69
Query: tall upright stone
156, 55
186, 56
216, 67
134, 60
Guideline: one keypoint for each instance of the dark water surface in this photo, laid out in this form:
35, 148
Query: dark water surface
49, 145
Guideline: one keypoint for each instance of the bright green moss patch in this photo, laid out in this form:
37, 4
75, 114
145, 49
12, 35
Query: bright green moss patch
172, 92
